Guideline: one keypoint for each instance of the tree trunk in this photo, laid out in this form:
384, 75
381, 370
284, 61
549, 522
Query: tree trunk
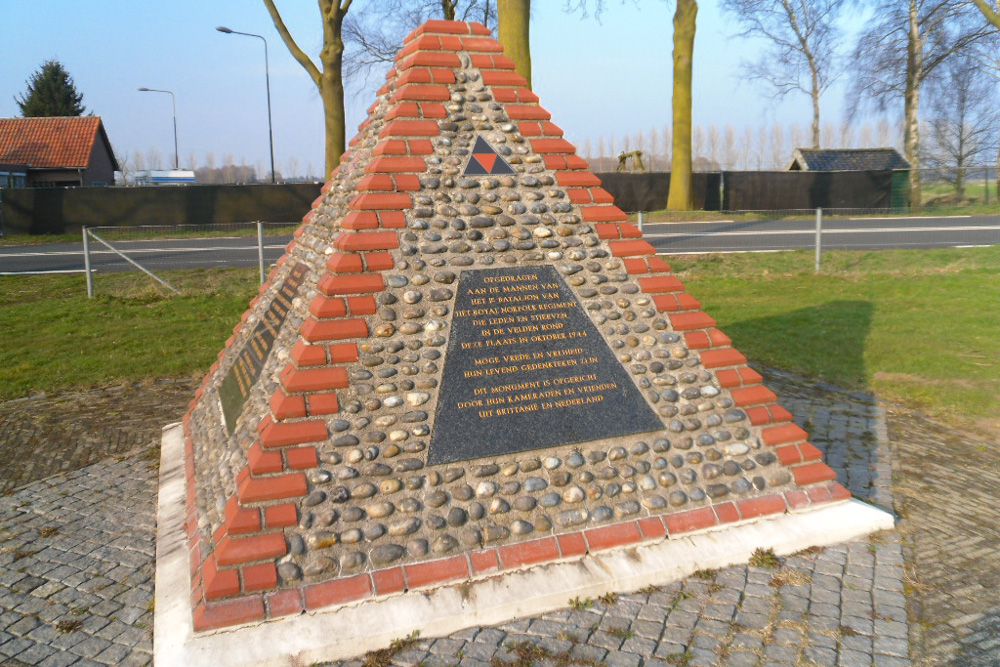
815, 101
329, 82
911, 103
331, 89
513, 17
991, 14
681, 195
332, 94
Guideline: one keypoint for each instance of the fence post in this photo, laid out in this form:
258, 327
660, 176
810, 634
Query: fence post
819, 236
86, 264
640, 222
986, 183
260, 249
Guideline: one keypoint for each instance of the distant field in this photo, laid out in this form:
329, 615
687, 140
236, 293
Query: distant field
914, 326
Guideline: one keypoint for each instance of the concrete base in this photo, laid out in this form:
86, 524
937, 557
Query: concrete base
350, 631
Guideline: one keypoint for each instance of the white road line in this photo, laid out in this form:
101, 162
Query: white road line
40, 273
688, 222
812, 232
917, 217
865, 246
137, 251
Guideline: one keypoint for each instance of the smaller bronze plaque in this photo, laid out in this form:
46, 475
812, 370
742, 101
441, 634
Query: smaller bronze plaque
235, 387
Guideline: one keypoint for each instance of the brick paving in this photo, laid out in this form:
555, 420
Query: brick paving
946, 492
46, 435
77, 535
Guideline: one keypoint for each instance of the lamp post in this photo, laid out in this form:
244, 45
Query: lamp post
267, 82
173, 101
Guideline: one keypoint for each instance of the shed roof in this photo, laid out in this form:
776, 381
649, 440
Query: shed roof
847, 159
51, 142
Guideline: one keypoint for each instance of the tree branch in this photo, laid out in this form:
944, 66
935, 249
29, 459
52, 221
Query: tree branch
293, 48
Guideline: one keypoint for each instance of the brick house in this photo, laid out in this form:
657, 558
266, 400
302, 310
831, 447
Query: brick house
59, 151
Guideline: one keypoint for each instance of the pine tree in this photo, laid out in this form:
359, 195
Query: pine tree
51, 92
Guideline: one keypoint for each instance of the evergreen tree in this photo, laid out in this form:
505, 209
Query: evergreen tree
51, 92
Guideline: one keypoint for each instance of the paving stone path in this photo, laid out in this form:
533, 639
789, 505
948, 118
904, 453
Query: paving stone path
77, 532
46, 435
947, 487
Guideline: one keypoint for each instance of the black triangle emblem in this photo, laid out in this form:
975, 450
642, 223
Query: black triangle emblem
485, 161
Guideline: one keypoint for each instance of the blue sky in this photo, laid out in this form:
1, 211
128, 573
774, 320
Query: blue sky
596, 78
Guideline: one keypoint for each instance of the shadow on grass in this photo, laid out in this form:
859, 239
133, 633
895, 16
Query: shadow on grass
822, 382
826, 342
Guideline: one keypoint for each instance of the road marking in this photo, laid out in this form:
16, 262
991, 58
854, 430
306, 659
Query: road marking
137, 251
691, 222
40, 273
812, 232
849, 246
917, 217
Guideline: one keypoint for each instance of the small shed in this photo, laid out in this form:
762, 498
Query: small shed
847, 159
858, 159
59, 150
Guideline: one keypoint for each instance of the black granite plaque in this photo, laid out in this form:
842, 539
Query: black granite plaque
235, 387
527, 369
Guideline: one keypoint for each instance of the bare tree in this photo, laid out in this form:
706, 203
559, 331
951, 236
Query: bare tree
904, 45
884, 131
654, 144
796, 136
866, 140
964, 120
779, 157
588, 149
761, 149
729, 147
991, 13
698, 142
745, 147
802, 42
154, 158
330, 80
513, 19
681, 195
828, 134
714, 143
667, 141
373, 36
124, 166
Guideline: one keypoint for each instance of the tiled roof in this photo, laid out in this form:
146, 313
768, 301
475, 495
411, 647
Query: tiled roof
60, 141
849, 159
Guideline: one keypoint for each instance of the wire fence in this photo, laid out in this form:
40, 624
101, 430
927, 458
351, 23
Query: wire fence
700, 232
158, 250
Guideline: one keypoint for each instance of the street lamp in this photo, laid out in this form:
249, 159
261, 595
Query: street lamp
267, 81
173, 101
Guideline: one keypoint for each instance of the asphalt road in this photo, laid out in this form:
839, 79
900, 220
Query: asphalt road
845, 233
859, 233
155, 255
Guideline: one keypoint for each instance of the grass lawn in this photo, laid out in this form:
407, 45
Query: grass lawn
54, 337
920, 327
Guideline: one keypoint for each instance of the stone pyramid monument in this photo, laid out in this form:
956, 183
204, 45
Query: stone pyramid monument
468, 363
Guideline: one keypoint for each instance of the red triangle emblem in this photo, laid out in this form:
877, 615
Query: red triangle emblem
487, 160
